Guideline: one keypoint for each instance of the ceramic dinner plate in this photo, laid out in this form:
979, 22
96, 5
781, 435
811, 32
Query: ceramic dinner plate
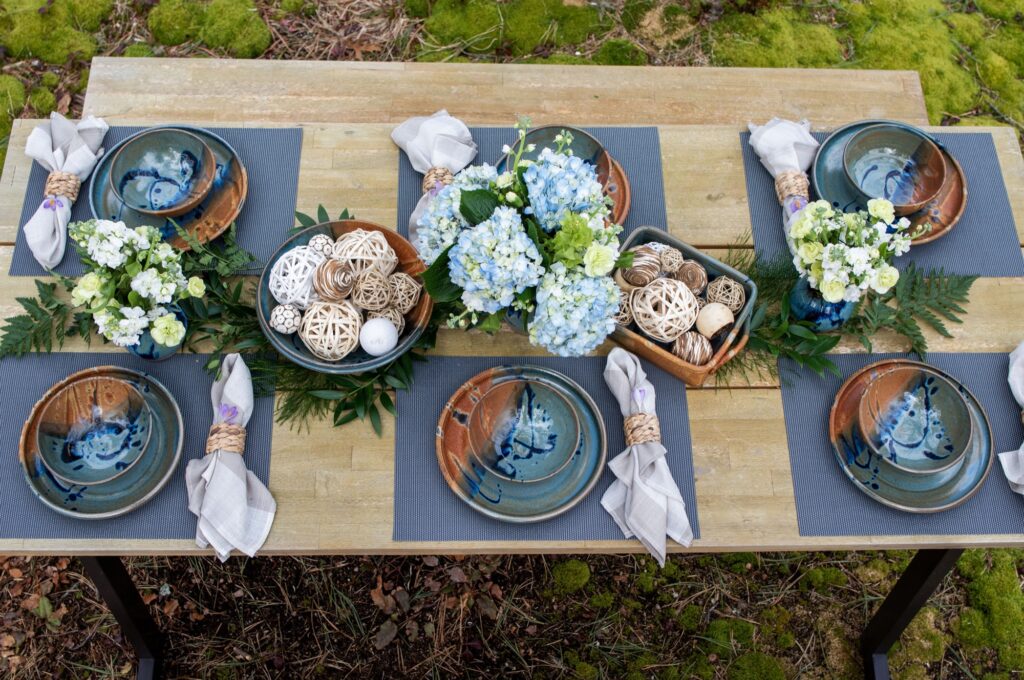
516, 501
138, 485
830, 183
886, 483
206, 222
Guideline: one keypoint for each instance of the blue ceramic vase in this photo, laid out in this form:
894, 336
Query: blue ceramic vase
807, 304
147, 348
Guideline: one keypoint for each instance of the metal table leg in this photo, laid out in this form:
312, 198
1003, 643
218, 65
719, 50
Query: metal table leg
118, 591
910, 593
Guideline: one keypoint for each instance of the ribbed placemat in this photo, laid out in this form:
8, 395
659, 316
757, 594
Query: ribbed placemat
271, 157
828, 503
26, 379
637, 149
427, 510
983, 242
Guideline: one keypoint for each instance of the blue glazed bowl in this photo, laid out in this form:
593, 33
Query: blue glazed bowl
163, 172
93, 430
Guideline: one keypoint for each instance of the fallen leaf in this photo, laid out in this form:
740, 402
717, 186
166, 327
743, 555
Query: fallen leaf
432, 585
428, 629
14, 573
385, 603
148, 598
531, 629
430, 560
170, 607
457, 575
412, 630
402, 598
487, 607
7, 640
388, 631
30, 602
496, 591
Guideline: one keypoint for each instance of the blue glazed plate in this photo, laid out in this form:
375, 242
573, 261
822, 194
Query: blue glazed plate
205, 222
507, 501
138, 485
887, 484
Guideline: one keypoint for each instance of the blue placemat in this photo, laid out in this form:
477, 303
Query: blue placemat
26, 379
828, 503
271, 158
637, 149
983, 242
427, 510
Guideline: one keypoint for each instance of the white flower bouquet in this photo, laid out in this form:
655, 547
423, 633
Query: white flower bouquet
842, 255
536, 240
132, 283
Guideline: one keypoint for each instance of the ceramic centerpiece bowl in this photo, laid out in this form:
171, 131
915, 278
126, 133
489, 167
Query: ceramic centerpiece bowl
163, 172
898, 163
916, 421
524, 430
93, 430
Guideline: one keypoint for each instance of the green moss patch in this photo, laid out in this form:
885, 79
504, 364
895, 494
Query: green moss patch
570, 576
729, 635
823, 579
52, 31
42, 101
620, 53
756, 666
995, 618
173, 22
775, 38
235, 26
138, 50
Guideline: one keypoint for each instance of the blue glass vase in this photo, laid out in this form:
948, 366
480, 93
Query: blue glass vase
807, 304
147, 348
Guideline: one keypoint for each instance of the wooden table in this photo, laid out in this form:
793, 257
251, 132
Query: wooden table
334, 488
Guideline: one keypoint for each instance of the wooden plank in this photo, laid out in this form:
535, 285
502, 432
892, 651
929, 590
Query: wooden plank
374, 92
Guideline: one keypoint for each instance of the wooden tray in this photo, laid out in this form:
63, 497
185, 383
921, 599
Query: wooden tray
725, 348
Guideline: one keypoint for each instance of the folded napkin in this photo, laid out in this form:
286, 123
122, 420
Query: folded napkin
786, 149
438, 146
69, 152
643, 500
234, 508
1013, 461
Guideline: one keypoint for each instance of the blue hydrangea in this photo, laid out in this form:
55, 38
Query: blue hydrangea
494, 261
440, 224
575, 312
557, 183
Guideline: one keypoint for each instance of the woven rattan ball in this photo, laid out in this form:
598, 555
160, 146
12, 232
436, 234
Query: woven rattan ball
291, 279
405, 292
727, 291
323, 244
645, 268
333, 280
371, 291
693, 348
285, 319
392, 315
671, 260
625, 315
664, 309
331, 329
693, 274
364, 250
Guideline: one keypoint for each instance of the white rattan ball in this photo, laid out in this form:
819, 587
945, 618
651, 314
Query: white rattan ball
364, 250
392, 315
664, 309
323, 244
727, 291
291, 279
671, 259
331, 329
625, 315
405, 292
371, 291
285, 319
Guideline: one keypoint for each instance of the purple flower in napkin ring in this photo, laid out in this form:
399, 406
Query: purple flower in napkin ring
639, 394
228, 413
53, 203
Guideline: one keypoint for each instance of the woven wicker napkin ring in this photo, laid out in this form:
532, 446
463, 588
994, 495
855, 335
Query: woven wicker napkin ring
642, 428
437, 175
60, 183
792, 183
226, 437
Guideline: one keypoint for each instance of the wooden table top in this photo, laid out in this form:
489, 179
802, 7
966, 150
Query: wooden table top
334, 487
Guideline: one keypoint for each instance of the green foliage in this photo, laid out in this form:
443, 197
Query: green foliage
138, 50
293, 6
968, 29
12, 101
823, 579
726, 635
570, 576
603, 600
235, 26
52, 30
472, 25
46, 320
438, 283
42, 101
620, 52
689, 618
477, 205
420, 9
49, 80
775, 38
1007, 10
756, 666
633, 12
173, 22
559, 58
571, 241
922, 643
995, 616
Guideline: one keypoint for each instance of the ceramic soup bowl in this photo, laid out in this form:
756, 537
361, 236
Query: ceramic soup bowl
163, 172
93, 430
523, 430
916, 421
898, 163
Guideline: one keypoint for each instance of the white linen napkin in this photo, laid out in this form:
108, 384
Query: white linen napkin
1013, 461
60, 146
643, 500
234, 508
437, 141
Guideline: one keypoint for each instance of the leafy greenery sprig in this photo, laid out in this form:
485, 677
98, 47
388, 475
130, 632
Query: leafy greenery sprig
47, 320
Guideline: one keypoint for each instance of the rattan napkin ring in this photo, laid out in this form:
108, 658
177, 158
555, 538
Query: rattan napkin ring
437, 176
642, 428
60, 183
792, 183
226, 437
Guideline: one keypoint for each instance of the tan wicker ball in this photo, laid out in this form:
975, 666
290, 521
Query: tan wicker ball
671, 260
693, 274
285, 319
664, 309
371, 291
291, 279
405, 292
714, 319
625, 315
727, 291
323, 244
645, 268
331, 329
392, 315
693, 348
333, 280
364, 250
624, 285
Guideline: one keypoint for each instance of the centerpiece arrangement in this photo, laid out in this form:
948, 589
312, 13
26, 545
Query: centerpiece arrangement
532, 239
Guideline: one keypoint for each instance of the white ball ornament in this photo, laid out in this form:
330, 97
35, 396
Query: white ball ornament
331, 329
364, 250
378, 336
291, 279
285, 319
714, 319
323, 244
